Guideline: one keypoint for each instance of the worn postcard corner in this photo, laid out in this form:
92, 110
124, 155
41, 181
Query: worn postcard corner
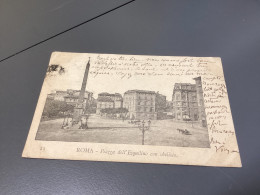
134, 108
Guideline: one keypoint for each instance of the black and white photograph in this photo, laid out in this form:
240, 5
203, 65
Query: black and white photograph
155, 113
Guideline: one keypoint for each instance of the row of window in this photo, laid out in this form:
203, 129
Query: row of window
105, 105
191, 104
145, 103
185, 87
73, 100
140, 109
139, 98
184, 97
185, 110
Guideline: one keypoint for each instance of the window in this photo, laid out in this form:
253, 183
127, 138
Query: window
183, 96
177, 97
178, 116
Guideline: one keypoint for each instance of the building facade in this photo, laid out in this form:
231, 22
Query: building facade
107, 100
141, 104
200, 99
57, 95
188, 102
184, 99
71, 96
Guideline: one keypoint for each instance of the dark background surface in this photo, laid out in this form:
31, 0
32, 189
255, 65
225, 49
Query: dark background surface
226, 29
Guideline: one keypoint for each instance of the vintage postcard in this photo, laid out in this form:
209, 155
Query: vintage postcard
134, 108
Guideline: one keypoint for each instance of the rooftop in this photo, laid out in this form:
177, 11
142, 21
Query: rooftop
105, 93
73, 96
74, 91
104, 99
185, 86
139, 91
109, 94
61, 91
197, 78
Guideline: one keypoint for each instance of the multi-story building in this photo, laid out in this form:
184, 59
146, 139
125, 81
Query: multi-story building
71, 96
141, 104
57, 95
184, 99
188, 102
118, 99
200, 99
107, 100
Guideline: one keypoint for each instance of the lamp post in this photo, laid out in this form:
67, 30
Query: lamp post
144, 128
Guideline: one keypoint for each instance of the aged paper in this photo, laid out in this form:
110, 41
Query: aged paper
134, 108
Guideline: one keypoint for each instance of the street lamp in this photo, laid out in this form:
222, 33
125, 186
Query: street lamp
144, 128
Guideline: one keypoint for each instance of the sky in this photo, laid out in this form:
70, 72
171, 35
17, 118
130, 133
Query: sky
74, 72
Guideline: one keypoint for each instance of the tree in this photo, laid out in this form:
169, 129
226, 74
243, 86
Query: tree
91, 107
53, 108
160, 103
113, 110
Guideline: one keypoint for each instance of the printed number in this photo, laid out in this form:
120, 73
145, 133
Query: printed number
42, 148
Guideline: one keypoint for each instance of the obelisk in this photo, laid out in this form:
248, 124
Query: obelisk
79, 108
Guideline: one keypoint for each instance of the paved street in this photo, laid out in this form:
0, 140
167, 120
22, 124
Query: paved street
103, 130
